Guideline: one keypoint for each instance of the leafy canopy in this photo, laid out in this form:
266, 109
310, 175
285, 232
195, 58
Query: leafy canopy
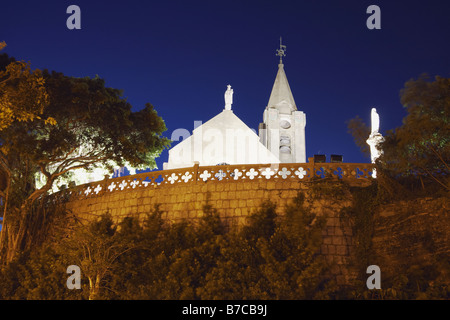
52, 125
23, 96
420, 147
93, 126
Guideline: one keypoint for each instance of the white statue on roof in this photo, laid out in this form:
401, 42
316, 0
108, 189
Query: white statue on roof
228, 98
222, 139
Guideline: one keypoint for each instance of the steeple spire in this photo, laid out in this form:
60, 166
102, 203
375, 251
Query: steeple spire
281, 96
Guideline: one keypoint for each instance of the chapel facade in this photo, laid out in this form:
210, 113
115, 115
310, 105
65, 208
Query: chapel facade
226, 139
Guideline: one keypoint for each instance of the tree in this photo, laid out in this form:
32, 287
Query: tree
23, 98
157, 259
272, 257
95, 249
420, 147
360, 132
94, 126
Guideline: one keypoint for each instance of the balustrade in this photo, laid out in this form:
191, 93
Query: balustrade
219, 174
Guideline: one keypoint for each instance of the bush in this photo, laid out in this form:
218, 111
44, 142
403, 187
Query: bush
272, 257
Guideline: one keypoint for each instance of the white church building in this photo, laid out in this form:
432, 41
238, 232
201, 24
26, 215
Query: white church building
226, 139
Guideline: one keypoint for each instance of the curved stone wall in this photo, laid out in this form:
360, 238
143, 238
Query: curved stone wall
235, 191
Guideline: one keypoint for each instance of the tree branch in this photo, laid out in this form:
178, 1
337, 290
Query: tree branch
440, 157
434, 178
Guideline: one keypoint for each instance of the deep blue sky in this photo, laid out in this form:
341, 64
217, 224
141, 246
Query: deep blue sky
180, 55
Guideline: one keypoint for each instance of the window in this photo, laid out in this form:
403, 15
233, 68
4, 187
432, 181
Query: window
285, 124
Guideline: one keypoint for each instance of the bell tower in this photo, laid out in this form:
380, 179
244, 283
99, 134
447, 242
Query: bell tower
283, 128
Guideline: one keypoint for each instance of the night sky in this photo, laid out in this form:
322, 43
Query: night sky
180, 56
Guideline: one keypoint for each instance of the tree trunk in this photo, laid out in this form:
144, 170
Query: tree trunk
94, 287
15, 240
4, 230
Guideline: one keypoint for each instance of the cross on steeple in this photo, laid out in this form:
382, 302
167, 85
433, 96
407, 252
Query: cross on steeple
280, 52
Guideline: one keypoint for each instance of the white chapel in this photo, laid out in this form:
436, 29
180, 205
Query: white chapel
226, 139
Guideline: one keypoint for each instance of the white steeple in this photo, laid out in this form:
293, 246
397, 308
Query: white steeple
283, 127
281, 97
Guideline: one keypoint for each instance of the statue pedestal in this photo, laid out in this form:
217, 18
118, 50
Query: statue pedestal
375, 138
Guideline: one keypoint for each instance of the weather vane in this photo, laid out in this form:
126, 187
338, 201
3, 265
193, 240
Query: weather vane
280, 52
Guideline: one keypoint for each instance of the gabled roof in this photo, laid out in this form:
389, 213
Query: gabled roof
223, 139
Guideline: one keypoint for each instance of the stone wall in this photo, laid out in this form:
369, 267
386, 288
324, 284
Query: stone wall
404, 232
234, 201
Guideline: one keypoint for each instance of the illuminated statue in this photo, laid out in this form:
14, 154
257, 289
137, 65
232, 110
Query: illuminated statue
375, 121
375, 138
228, 98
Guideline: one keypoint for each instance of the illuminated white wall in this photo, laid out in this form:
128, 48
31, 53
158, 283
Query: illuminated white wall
223, 139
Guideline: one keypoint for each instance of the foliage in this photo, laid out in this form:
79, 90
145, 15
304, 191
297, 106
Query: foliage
95, 125
420, 147
94, 248
332, 189
361, 216
23, 95
360, 133
413, 277
158, 260
34, 275
90, 126
23, 98
274, 256
418, 150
